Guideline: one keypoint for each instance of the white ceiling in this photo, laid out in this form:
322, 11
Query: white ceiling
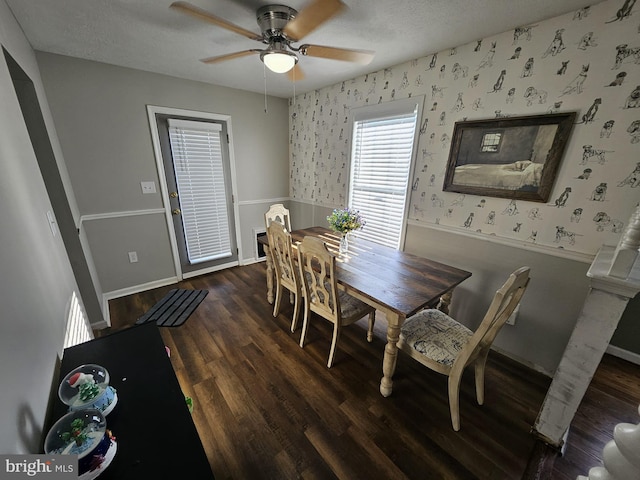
147, 35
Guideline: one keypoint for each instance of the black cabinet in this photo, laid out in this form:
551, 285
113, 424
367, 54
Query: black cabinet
155, 434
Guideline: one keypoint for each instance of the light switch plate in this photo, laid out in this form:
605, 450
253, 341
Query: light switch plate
148, 187
133, 257
52, 223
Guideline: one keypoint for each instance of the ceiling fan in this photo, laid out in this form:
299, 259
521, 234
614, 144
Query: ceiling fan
281, 26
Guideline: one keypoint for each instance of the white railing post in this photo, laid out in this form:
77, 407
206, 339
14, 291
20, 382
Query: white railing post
615, 278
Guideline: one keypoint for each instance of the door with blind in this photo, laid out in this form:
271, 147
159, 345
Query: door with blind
197, 170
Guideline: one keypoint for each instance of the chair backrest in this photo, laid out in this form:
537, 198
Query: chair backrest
318, 274
278, 213
280, 245
502, 306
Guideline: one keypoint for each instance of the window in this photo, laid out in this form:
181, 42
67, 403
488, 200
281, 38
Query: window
383, 139
491, 142
196, 148
78, 329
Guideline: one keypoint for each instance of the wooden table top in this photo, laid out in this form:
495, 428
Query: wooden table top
398, 281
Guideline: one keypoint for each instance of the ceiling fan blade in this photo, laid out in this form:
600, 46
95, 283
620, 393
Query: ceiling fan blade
199, 13
295, 74
362, 57
229, 56
311, 17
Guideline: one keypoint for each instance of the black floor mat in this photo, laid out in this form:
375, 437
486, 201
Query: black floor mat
174, 309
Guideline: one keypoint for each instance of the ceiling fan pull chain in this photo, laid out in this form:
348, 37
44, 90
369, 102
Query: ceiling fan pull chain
264, 74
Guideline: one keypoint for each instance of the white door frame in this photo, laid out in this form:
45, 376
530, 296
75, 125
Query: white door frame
152, 110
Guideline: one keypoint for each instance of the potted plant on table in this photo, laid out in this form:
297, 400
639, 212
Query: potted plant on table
344, 221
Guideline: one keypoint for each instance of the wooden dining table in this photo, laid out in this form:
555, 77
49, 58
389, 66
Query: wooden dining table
396, 283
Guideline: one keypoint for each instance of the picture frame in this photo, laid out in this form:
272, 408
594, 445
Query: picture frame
508, 157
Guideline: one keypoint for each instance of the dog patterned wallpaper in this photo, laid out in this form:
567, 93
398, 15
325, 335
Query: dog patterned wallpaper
587, 61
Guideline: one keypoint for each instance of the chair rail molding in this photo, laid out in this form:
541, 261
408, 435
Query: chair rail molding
509, 242
127, 213
263, 201
601, 312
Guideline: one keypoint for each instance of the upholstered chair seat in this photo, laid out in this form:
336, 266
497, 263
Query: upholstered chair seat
436, 335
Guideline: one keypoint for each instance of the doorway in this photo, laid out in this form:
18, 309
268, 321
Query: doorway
194, 156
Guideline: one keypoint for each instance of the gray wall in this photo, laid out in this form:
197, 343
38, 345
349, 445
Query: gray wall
37, 280
101, 117
627, 335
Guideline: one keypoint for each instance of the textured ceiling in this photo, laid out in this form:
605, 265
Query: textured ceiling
147, 35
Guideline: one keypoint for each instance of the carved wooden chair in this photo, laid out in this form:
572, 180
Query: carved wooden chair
440, 343
321, 295
277, 212
286, 269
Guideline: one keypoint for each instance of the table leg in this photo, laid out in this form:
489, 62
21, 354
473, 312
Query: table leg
390, 354
269, 275
445, 301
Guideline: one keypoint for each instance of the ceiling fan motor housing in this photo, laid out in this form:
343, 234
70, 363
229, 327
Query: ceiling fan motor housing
273, 18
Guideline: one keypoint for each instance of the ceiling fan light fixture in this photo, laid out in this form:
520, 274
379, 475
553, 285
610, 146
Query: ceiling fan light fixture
280, 61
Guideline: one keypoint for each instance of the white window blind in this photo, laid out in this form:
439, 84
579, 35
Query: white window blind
197, 157
78, 329
382, 149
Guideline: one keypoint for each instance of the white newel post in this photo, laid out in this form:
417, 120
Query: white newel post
615, 278
621, 456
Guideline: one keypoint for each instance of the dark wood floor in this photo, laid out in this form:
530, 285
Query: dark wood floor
265, 408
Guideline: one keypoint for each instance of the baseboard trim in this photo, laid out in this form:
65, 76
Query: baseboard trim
624, 354
139, 288
251, 261
522, 361
123, 293
106, 323
186, 275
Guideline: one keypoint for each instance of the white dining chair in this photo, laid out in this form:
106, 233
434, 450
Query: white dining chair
287, 275
321, 295
278, 213
442, 344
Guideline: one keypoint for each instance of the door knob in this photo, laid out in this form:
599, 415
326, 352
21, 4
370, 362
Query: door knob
175, 211
173, 195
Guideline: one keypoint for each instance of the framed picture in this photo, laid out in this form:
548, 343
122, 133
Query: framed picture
512, 157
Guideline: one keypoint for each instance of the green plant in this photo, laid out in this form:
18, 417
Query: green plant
88, 391
76, 434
